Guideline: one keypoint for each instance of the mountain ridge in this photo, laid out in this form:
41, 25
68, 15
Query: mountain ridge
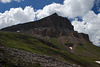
52, 25
52, 36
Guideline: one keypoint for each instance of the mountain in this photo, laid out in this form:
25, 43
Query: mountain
48, 42
52, 26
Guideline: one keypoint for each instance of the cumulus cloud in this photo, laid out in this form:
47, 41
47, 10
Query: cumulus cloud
16, 16
90, 24
8, 1
69, 8
5, 1
48, 10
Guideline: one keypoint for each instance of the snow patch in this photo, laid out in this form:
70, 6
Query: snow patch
18, 31
71, 48
97, 62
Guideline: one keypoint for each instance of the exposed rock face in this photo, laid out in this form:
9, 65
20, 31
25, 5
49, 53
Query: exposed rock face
52, 26
15, 55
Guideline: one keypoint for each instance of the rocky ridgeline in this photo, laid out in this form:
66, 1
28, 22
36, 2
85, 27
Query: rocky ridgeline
22, 58
53, 26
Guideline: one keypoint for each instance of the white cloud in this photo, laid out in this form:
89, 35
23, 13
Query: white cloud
48, 10
76, 8
5, 1
70, 8
8, 1
89, 25
16, 16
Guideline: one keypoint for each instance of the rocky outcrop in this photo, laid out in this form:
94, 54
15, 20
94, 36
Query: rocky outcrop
22, 58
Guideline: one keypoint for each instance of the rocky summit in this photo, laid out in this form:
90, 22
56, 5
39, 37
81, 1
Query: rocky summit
48, 42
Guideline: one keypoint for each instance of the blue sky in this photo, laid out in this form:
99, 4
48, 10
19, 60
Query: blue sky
37, 4
84, 14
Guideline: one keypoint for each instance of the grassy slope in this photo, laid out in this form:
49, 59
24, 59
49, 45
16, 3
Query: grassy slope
28, 43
